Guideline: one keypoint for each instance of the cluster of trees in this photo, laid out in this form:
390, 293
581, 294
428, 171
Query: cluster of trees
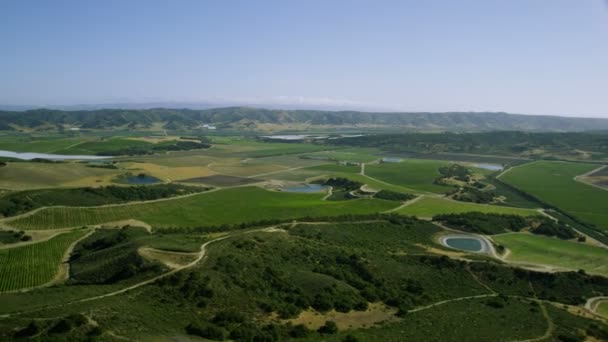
564, 287
24, 201
556, 229
2, 163
473, 195
489, 223
484, 223
512, 143
391, 217
109, 256
394, 196
54, 327
344, 184
145, 150
13, 236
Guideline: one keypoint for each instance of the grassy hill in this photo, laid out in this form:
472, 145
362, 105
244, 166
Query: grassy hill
259, 119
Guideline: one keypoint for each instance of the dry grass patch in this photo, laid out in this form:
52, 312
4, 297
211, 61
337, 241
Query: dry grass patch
170, 259
168, 173
376, 313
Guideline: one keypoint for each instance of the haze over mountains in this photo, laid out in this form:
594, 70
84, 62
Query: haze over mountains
261, 119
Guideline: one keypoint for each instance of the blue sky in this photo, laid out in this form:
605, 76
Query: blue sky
521, 56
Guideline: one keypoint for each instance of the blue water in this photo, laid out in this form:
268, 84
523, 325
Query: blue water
306, 188
34, 155
492, 167
466, 244
142, 180
391, 160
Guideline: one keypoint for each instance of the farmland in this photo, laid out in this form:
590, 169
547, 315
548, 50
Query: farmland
554, 183
35, 264
430, 206
360, 261
416, 174
219, 207
552, 252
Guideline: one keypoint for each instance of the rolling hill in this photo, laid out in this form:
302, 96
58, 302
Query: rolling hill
257, 119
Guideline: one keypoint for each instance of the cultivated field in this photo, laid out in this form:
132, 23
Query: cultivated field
554, 253
224, 206
22, 175
35, 264
430, 206
553, 182
416, 174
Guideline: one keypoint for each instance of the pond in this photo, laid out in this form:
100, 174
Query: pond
465, 242
306, 188
34, 155
286, 137
491, 167
391, 160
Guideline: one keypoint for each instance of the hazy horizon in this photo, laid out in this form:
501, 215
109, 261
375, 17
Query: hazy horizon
521, 57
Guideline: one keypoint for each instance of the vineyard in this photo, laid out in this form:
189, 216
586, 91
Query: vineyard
35, 264
219, 207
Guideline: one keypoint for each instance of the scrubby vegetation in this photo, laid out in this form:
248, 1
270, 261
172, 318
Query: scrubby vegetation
394, 196
473, 195
24, 201
453, 171
341, 188
13, 236
109, 256
485, 223
489, 223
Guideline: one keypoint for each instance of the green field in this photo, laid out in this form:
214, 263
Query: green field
431, 206
356, 155
602, 309
224, 206
534, 249
40, 145
416, 174
553, 182
35, 264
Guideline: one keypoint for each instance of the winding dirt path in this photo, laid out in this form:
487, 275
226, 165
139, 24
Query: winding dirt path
405, 204
581, 178
202, 254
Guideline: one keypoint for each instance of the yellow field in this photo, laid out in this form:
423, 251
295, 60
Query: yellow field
20, 176
167, 173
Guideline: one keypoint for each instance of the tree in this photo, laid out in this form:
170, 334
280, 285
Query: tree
330, 327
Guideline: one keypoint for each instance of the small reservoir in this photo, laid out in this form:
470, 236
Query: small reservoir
34, 155
491, 167
306, 188
468, 243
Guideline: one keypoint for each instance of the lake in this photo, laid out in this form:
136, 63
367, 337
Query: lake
34, 155
491, 167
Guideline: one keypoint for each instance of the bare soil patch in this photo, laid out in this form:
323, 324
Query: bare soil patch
376, 313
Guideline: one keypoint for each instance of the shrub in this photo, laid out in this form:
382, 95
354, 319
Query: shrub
328, 328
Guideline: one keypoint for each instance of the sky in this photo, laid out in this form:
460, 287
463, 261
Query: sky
518, 56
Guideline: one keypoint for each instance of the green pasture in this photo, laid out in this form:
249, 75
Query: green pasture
416, 174
431, 206
40, 145
535, 249
554, 183
602, 309
217, 207
35, 264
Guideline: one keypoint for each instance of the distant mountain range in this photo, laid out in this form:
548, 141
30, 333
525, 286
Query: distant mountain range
258, 119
